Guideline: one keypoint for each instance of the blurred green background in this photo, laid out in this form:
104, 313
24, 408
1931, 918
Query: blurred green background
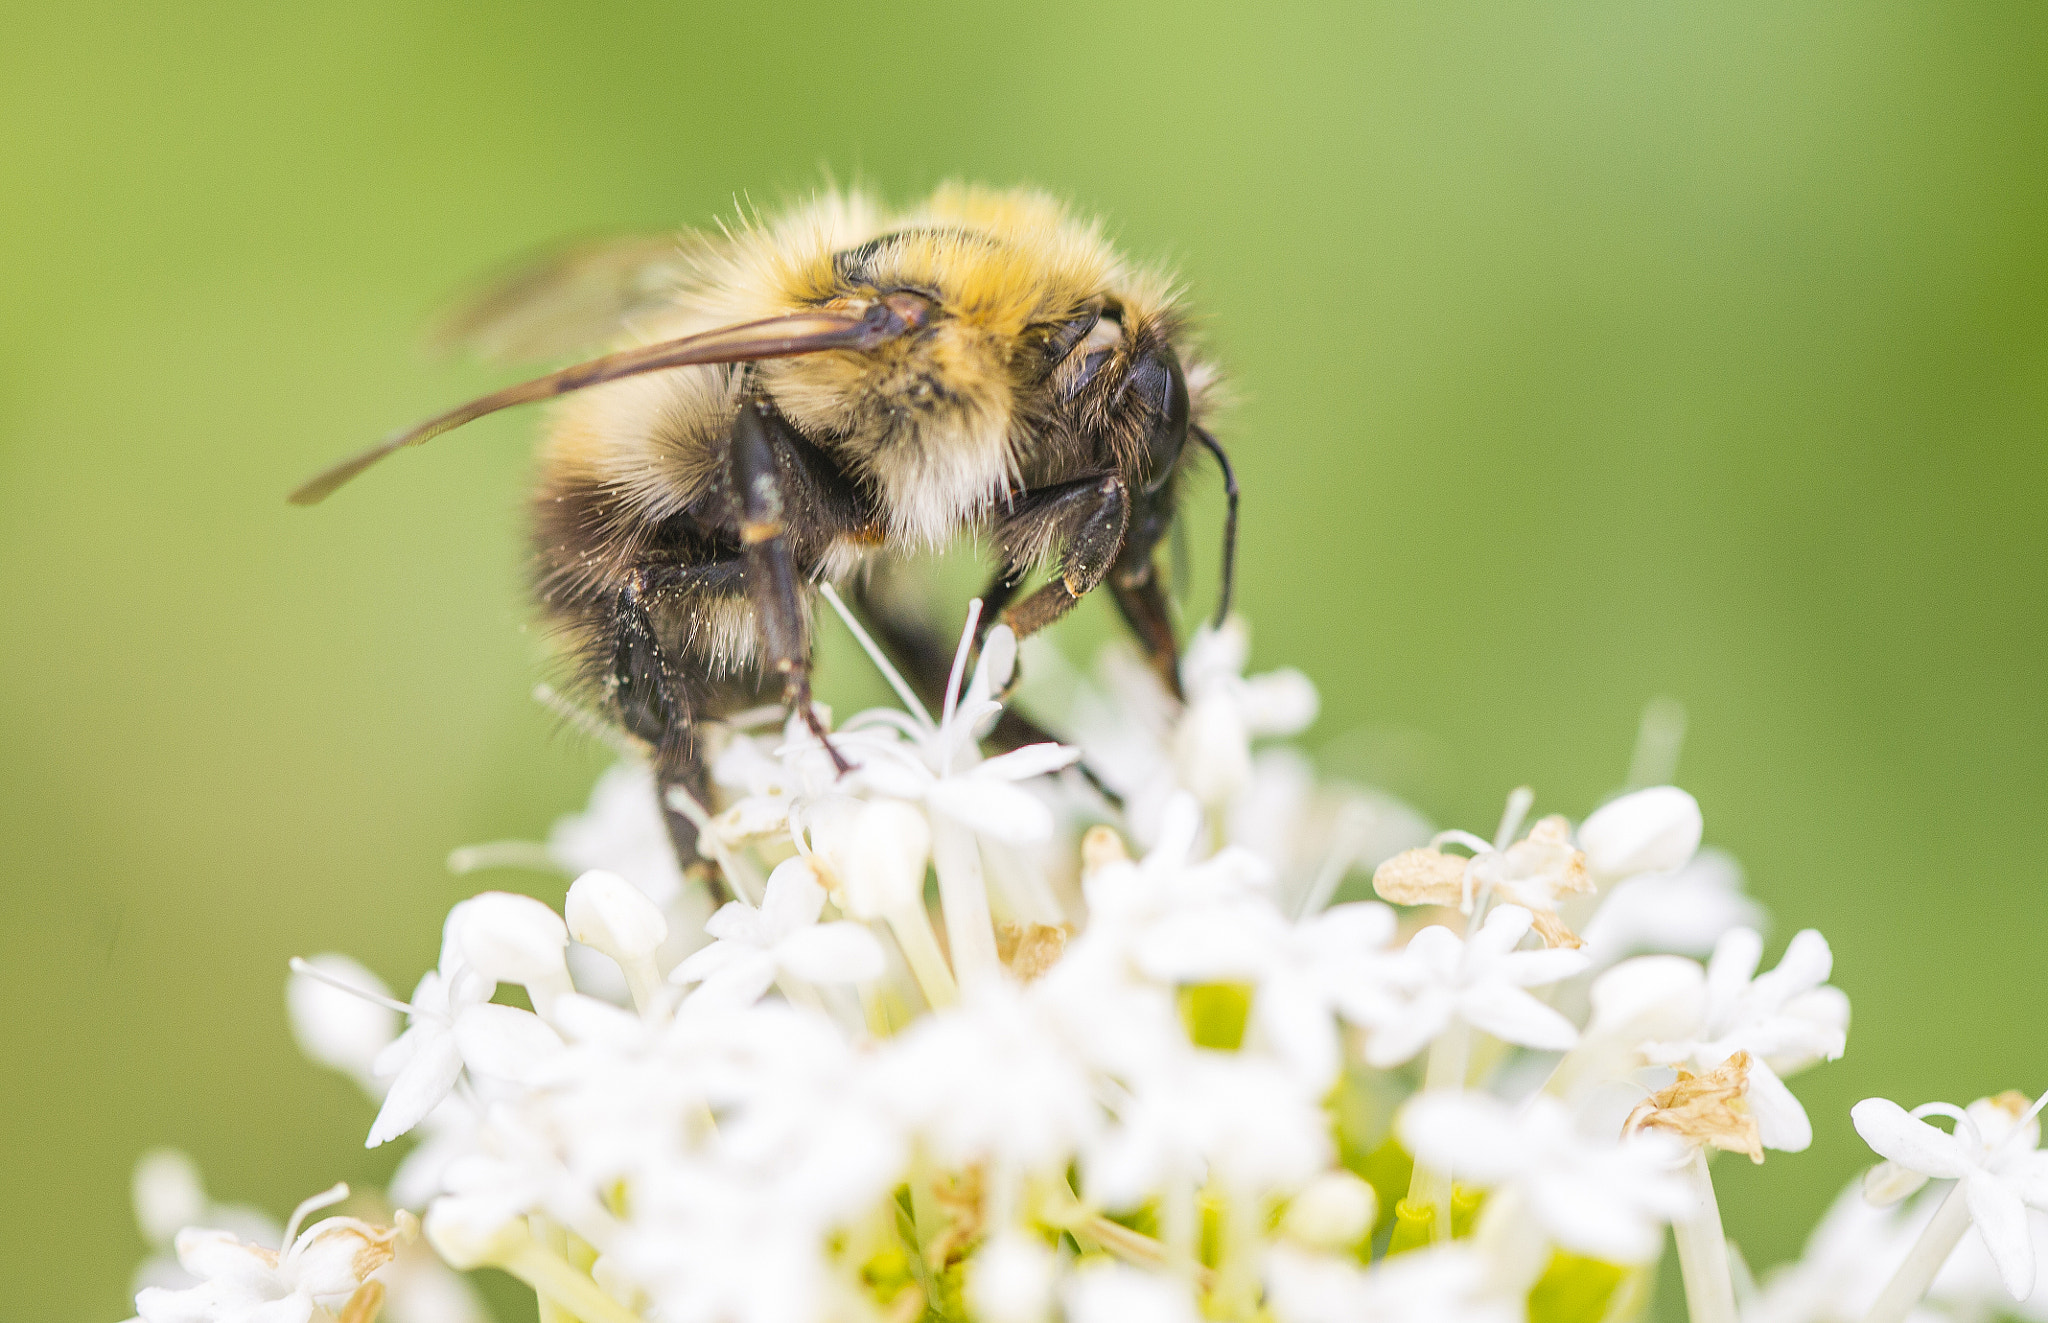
1588, 352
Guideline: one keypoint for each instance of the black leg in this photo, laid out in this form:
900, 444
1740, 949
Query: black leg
1141, 598
781, 614
1086, 520
654, 704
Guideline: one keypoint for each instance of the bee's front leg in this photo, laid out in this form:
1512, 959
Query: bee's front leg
1085, 519
773, 587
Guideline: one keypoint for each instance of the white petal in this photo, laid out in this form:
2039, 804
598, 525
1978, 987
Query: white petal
1781, 1123
742, 983
1906, 1140
843, 952
1398, 1038
1031, 760
707, 962
1281, 702
1656, 996
2028, 1176
419, 1088
335, 1028
1356, 927
1887, 1183
993, 807
1651, 831
1505, 926
1114, 1293
1212, 749
2001, 1219
1534, 969
794, 899
509, 938
609, 913
1471, 1133
1297, 1025
504, 1041
294, 1308
1208, 945
1010, 1279
209, 1254
881, 861
1513, 1016
1584, 1215
1733, 963
1805, 965
167, 1194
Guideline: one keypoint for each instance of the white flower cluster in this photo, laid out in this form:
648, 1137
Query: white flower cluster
983, 1042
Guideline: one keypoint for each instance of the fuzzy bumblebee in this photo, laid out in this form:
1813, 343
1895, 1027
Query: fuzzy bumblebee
791, 400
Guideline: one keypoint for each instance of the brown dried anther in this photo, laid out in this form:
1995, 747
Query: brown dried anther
1706, 1109
1533, 873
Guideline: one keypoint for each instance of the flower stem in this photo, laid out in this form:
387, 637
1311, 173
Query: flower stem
1937, 1241
1703, 1249
920, 944
556, 1282
963, 899
1449, 1057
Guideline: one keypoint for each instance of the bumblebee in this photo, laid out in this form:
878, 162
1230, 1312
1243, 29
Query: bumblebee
793, 399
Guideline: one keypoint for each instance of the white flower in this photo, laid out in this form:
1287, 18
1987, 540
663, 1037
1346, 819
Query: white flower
1482, 982
337, 1028
168, 1197
1605, 1199
1010, 1279
1681, 913
451, 1015
1249, 1126
1850, 1255
756, 946
991, 1080
1433, 1285
509, 938
1651, 831
1333, 1212
939, 764
1535, 873
875, 854
1212, 743
423, 1063
1115, 1293
1786, 1020
1305, 972
611, 916
1994, 1152
318, 1269
622, 831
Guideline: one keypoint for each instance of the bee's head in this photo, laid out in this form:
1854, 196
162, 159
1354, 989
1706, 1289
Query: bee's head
1113, 378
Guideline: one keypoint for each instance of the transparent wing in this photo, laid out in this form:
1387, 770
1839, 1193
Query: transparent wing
564, 299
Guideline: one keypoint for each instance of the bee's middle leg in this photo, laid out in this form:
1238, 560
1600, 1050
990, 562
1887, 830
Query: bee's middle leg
774, 589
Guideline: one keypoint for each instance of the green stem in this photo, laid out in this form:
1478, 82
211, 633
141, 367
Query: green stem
1449, 1058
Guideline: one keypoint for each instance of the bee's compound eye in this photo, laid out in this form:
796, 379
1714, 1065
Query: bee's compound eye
1158, 383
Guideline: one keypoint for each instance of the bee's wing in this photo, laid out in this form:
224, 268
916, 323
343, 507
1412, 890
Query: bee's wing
562, 300
807, 332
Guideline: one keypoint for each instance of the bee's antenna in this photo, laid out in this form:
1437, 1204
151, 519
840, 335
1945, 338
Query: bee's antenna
1229, 521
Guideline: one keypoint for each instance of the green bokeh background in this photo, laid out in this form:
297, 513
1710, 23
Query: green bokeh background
1588, 352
